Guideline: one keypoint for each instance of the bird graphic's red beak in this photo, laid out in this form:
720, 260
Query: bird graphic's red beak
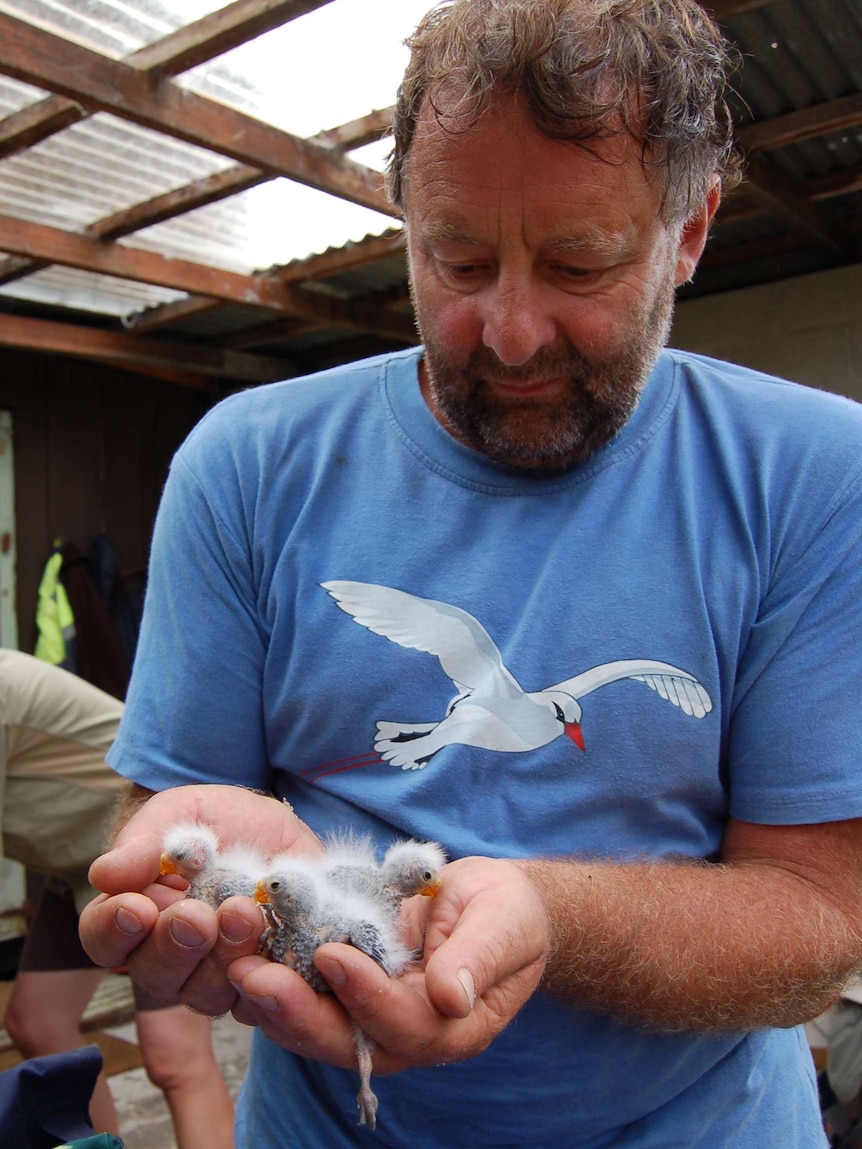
573, 729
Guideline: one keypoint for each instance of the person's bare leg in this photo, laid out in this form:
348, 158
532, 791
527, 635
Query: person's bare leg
44, 1016
176, 1045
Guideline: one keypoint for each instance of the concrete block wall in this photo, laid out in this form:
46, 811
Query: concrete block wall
807, 329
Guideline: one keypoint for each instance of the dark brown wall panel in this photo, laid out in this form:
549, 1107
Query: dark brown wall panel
92, 446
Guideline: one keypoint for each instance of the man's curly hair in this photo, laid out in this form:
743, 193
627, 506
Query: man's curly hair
587, 69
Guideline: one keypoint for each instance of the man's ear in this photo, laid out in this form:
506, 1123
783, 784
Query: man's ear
694, 233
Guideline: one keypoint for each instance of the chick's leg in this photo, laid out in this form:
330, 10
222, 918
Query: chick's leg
365, 1098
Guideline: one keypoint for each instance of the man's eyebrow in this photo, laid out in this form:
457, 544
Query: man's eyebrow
442, 231
594, 241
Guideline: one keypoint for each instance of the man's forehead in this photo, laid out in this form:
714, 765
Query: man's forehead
455, 150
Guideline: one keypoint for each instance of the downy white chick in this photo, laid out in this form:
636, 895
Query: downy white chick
408, 867
306, 910
192, 850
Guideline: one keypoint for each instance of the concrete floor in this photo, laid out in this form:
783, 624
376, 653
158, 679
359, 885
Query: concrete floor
145, 1122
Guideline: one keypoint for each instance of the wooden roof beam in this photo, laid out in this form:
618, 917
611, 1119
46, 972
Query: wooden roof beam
14, 267
219, 32
355, 134
178, 201
163, 314
135, 352
359, 254
341, 259
213, 188
37, 57
194, 44
804, 124
771, 188
70, 249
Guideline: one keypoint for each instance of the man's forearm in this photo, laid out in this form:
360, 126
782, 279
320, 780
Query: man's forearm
688, 946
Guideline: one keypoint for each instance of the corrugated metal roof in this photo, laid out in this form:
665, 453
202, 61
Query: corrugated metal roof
105, 164
799, 113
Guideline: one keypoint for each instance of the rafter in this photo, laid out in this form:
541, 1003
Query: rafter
355, 134
213, 188
793, 127
38, 57
189, 46
773, 191
359, 254
36, 241
218, 32
164, 314
134, 351
180, 200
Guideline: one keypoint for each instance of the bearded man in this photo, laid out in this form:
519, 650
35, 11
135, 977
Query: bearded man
577, 607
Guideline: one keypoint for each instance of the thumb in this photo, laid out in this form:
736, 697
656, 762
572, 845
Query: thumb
488, 940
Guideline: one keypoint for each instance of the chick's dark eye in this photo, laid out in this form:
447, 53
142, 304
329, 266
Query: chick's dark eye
427, 875
274, 886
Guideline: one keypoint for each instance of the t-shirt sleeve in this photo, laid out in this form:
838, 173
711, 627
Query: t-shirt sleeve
796, 728
194, 707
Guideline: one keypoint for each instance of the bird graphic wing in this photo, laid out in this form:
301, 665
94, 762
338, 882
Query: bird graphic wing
466, 651
677, 686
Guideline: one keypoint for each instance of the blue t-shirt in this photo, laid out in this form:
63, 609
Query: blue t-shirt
352, 609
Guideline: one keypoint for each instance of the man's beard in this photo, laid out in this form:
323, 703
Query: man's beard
557, 431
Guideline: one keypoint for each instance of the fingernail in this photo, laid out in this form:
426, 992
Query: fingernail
185, 934
332, 970
234, 928
128, 922
269, 1004
467, 984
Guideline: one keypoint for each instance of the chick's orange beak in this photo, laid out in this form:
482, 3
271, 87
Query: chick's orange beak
432, 889
260, 894
166, 866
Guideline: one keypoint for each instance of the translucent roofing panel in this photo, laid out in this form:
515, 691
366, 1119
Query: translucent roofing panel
115, 28
86, 291
326, 68
102, 165
270, 224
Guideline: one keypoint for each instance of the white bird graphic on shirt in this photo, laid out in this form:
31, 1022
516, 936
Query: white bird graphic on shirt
490, 710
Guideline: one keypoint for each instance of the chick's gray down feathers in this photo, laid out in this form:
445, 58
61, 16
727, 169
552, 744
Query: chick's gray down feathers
192, 850
346, 896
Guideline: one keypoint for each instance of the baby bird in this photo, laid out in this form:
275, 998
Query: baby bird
306, 911
191, 850
290, 897
408, 867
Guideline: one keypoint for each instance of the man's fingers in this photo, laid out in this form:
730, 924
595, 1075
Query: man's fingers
240, 925
487, 940
134, 866
180, 939
290, 1012
396, 1013
111, 927
133, 861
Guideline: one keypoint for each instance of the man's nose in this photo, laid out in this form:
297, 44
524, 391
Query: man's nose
516, 322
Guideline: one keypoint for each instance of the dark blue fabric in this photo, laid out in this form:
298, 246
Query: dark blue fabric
45, 1102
